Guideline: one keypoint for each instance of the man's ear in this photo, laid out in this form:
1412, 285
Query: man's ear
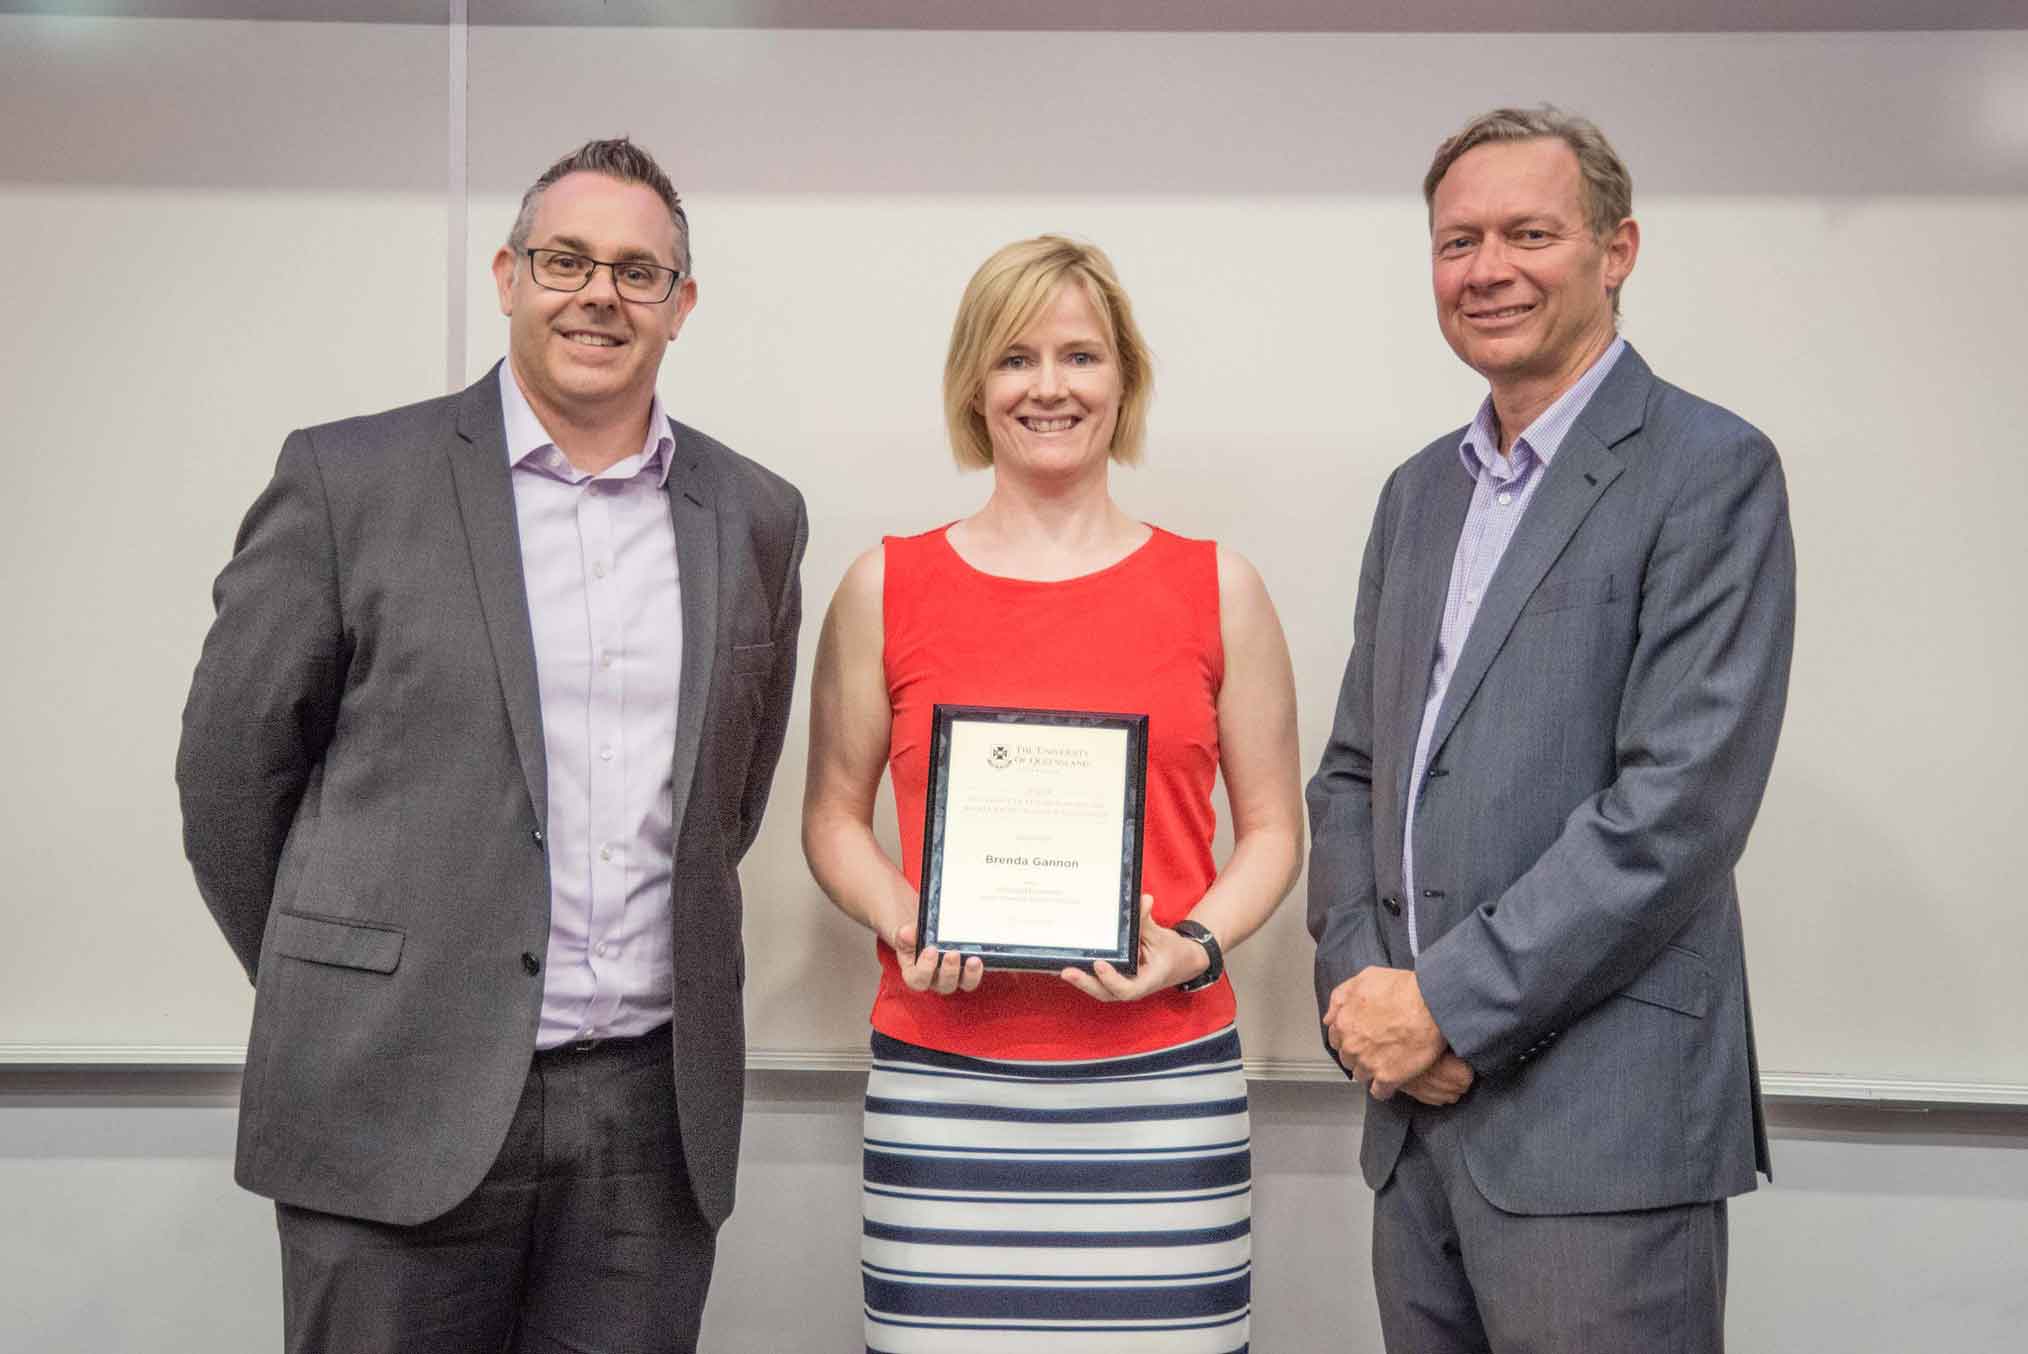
1622, 247
503, 277
685, 302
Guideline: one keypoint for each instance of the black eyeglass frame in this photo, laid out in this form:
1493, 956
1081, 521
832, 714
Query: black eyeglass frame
612, 267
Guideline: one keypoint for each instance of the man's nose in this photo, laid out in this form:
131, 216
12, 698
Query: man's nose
1490, 264
600, 289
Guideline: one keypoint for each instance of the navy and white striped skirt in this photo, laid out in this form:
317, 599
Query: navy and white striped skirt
1101, 1205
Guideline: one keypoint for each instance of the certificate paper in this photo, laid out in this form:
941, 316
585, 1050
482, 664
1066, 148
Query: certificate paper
1032, 844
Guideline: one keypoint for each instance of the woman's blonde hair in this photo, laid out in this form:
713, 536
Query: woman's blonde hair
1002, 299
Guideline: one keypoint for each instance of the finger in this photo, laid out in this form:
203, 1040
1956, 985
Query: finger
1084, 983
1382, 1090
920, 969
975, 972
950, 968
1117, 986
903, 945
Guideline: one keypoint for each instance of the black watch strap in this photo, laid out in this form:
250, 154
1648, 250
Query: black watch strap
1213, 971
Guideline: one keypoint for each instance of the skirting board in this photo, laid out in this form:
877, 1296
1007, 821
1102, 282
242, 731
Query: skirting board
1814, 1087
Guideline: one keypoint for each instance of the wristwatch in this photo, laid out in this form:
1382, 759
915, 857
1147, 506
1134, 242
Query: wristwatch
1197, 932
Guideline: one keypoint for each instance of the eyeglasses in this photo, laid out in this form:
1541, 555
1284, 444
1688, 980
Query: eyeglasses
560, 270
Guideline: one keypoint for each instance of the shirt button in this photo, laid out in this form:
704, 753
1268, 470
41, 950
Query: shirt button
1471, 597
1505, 499
599, 949
599, 569
606, 851
605, 659
606, 753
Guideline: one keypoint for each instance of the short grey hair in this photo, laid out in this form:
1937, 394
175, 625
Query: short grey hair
618, 158
1608, 187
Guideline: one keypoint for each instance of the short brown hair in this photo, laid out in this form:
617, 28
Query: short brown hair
1003, 298
1608, 187
618, 158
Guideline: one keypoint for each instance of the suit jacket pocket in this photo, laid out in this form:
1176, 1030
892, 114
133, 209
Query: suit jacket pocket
1679, 979
344, 944
1561, 594
751, 659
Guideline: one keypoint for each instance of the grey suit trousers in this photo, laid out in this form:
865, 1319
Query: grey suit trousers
585, 1236
1456, 1275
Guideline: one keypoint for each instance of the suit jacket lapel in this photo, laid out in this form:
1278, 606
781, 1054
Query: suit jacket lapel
1584, 466
695, 518
1437, 524
485, 491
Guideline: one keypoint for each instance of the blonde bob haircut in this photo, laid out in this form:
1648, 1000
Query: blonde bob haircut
1003, 299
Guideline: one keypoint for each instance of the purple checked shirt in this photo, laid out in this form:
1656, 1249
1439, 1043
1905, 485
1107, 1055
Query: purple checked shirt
1502, 489
598, 559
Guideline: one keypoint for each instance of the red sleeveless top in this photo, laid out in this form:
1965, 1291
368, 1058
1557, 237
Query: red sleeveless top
1140, 637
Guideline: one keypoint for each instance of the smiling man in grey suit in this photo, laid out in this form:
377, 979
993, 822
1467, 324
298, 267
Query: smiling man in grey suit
1570, 656
485, 722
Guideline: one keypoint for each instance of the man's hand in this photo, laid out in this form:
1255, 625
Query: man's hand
1381, 1031
1444, 1084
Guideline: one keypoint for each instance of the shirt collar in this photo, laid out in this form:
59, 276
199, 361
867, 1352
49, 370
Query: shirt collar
526, 436
1480, 447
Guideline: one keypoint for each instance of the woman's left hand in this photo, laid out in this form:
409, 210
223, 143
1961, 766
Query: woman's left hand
1166, 959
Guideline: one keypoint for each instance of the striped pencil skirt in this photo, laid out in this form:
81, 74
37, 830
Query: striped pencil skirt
1078, 1207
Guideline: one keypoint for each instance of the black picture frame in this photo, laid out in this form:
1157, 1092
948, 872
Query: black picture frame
1124, 953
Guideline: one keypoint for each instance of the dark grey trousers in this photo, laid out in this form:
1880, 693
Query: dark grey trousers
584, 1236
1455, 1274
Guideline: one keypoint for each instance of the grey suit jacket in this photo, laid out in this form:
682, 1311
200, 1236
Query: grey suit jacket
364, 795
1596, 764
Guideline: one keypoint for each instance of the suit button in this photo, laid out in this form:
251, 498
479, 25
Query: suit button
530, 964
1393, 905
535, 835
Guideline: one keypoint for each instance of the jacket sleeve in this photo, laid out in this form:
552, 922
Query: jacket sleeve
1699, 716
264, 700
1342, 889
780, 688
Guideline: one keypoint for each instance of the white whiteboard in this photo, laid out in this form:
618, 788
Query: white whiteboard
245, 227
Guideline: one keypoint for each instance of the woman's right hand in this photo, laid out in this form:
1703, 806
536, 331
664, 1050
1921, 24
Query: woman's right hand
931, 970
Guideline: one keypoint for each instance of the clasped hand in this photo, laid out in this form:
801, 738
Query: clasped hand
1377, 1024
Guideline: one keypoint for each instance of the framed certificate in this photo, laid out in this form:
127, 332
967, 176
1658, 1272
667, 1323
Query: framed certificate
1031, 842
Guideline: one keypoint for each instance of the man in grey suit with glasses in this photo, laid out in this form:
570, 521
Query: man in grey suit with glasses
1570, 656
485, 722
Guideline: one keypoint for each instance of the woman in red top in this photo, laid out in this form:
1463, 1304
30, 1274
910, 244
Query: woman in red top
1063, 1152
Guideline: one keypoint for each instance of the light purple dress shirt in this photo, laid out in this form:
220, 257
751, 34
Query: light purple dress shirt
1502, 488
598, 559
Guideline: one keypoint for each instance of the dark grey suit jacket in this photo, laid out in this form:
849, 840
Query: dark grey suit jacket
1596, 764
364, 795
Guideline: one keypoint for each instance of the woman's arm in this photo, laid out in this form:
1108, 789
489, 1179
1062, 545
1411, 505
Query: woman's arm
1257, 753
849, 728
